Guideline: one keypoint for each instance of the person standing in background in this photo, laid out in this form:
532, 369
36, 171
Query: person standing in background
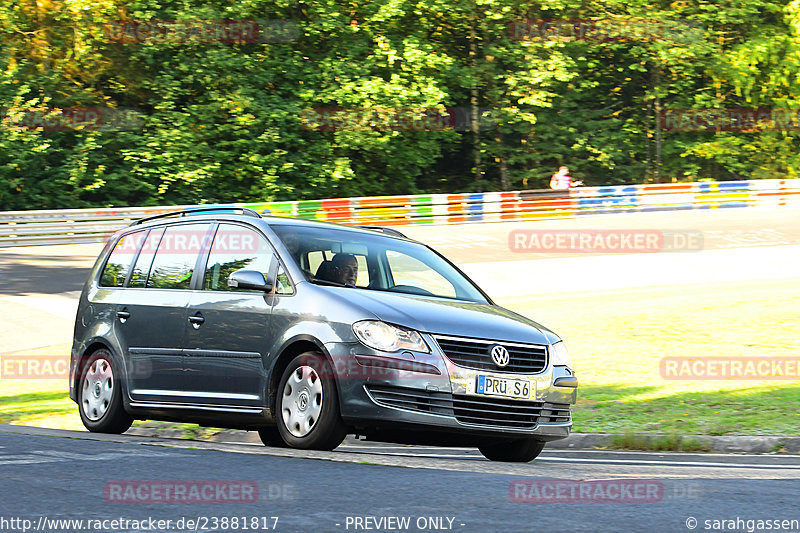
562, 180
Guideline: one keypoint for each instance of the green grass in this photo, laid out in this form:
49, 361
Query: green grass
659, 443
655, 410
34, 406
55, 409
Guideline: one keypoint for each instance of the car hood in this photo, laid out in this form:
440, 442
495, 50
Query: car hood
450, 317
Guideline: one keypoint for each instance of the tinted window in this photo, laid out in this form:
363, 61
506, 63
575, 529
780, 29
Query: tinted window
119, 262
175, 258
145, 259
235, 247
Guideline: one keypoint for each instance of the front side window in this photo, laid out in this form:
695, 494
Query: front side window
283, 285
175, 258
119, 262
325, 265
235, 247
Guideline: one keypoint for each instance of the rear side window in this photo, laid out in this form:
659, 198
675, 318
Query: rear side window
175, 258
145, 259
235, 247
119, 262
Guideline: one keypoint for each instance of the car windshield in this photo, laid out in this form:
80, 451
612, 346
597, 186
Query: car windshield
339, 257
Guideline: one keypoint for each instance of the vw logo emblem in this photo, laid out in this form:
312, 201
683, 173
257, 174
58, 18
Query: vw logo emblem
500, 355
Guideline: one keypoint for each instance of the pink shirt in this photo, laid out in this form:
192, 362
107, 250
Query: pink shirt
562, 181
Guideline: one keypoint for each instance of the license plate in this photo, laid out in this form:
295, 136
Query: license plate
510, 388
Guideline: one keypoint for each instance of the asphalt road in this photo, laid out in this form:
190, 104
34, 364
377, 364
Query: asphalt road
710, 229
69, 475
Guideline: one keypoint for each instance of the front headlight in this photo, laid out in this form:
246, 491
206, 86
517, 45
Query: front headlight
559, 355
387, 338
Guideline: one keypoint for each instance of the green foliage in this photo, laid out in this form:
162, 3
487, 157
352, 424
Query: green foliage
228, 121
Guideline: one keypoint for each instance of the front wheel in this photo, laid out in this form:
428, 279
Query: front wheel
100, 396
270, 436
518, 451
308, 405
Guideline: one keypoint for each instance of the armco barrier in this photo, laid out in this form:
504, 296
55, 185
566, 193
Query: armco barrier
20, 228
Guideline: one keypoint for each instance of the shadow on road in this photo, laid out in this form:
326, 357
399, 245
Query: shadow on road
20, 275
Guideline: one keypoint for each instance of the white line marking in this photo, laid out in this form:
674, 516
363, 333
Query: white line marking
558, 451
407, 448
599, 461
50, 456
665, 463
433, 455
27, 460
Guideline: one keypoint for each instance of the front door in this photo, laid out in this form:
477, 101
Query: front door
225, 344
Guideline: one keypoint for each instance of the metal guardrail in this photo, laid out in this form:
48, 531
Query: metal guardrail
74, 226
68, 226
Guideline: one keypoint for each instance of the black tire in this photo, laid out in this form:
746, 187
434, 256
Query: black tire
518, 451
307, 404
100, 396
270, 436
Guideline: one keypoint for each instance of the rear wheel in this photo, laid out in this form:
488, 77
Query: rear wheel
307, 404
518, 451
100, 396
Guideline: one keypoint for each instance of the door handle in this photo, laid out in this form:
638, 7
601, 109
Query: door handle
196, 320
123, 315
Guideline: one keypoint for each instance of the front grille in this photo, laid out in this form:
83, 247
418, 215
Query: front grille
508, 413
495, 412
474, 354
413, 400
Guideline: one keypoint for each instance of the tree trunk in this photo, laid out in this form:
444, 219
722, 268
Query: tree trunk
475, 110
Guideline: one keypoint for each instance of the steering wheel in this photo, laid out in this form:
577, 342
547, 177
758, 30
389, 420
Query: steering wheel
411, 289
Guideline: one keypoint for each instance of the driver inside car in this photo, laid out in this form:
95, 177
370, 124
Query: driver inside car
345, 269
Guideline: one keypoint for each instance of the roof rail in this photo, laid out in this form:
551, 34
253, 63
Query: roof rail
245, 211
388, 231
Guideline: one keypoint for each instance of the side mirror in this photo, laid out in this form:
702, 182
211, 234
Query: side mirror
249, 279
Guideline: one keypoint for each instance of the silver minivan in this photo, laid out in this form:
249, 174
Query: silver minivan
307, 331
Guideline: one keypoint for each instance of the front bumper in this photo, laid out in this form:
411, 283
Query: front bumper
429, 392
